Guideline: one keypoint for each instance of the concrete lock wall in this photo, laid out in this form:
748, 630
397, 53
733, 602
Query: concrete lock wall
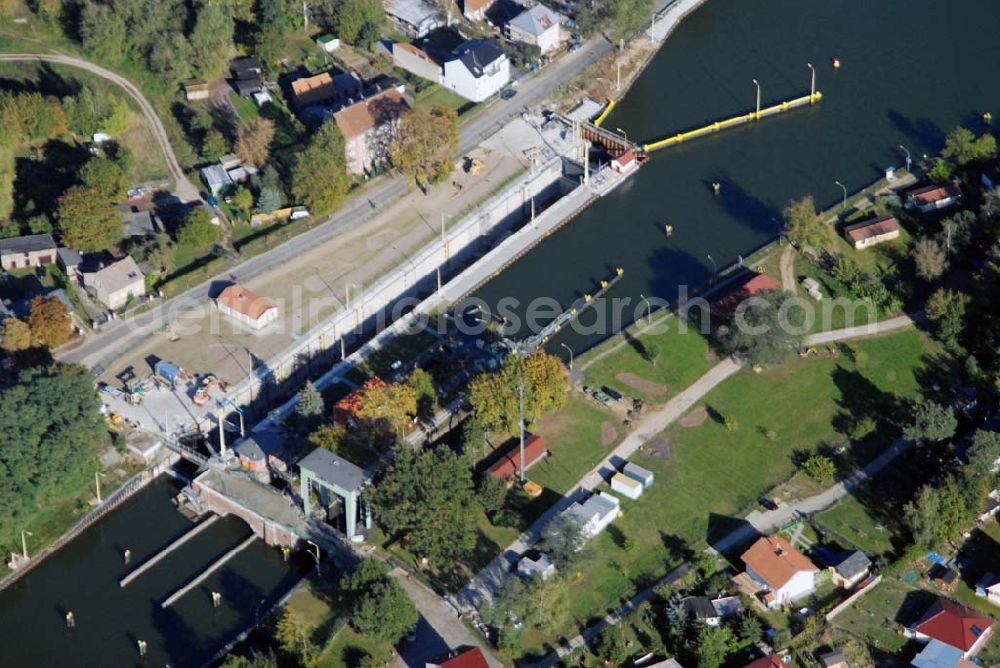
272, 534
417, 274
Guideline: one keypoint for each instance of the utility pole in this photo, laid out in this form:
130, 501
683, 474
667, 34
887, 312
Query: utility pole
222, 436
24, 540
520, 400
97, 484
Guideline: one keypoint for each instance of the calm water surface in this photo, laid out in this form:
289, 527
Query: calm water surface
910, 72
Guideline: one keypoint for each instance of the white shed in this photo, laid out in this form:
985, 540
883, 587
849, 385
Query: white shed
627, 486
636, 472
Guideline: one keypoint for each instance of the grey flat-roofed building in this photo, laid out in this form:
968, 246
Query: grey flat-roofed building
636, 472
32, 250
333, 476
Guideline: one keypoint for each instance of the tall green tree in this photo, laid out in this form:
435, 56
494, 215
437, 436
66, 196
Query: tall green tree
105, 176
713, 645
931, 422
423, 499
765, 330
964, 148
319, 176
212, 37
103, 32
50, 428
946, 310
359, 21
938, 514
381, 607
197, 230
87, 221
984, 454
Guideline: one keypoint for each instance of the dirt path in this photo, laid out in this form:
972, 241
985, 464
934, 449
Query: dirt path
185, 189
788, 269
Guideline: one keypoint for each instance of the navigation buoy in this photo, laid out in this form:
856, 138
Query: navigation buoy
70, 620
669, 229
836, 63
987, 118
716, 188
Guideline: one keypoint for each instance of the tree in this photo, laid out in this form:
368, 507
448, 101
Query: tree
387, 407
611, 646
804, 227
619, 18
946, 310
309, 407
212, 37
319, 177
564, 541
426, 396
253, 141
714, 645
102, 32
425, 143
764, 329
49, 321
964, 148
473, 438
16, 335
214, 145
424, 499
930, 421
50, 429
492, 493
294, 635
930, 258
984, 454
820, 468
243, 199
269, 200
540, 604
105, 176
494, 396
358, 20
748, 629
329, 437
380, 606
938, 514
197, 230
87, 220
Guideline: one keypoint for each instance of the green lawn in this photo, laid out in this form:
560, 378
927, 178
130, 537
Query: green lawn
678, 359
435, 95
347, 647
878, 617
706, 475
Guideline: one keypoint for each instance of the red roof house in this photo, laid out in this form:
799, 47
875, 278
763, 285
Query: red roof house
954, 625
773, 661
752, 285
934, 197
782, 572
508, 465
470, 658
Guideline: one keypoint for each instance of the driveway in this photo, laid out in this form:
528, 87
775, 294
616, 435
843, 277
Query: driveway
439, 630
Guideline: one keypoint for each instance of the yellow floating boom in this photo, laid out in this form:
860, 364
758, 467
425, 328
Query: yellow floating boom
731, 122
604, 114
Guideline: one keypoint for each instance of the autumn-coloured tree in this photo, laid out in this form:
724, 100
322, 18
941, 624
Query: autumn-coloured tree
253, 141
495, 396
49, 321
393, 404
425, 144
87, 220
16, 335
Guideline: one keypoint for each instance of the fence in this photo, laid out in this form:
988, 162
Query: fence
846, 603
502, 212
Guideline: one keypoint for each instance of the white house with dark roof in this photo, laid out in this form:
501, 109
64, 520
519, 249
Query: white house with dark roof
33, 250
478, 70
539, 26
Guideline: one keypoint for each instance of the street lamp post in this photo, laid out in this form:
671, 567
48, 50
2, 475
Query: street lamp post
24, 543
812, 84
646, 302
909, 161
625, 134
715, 267
97, 484
845, 193
315, 556
570, 351
757, 84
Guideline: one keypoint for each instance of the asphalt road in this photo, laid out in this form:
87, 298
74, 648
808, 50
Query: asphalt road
120, 336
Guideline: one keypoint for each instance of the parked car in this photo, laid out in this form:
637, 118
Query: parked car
768, 504
212, 200
575, 48
507, 93
613, 393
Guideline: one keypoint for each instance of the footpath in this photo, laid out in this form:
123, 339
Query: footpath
756, 522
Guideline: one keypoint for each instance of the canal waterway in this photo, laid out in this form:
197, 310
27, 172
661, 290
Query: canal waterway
910, 71
83, 578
